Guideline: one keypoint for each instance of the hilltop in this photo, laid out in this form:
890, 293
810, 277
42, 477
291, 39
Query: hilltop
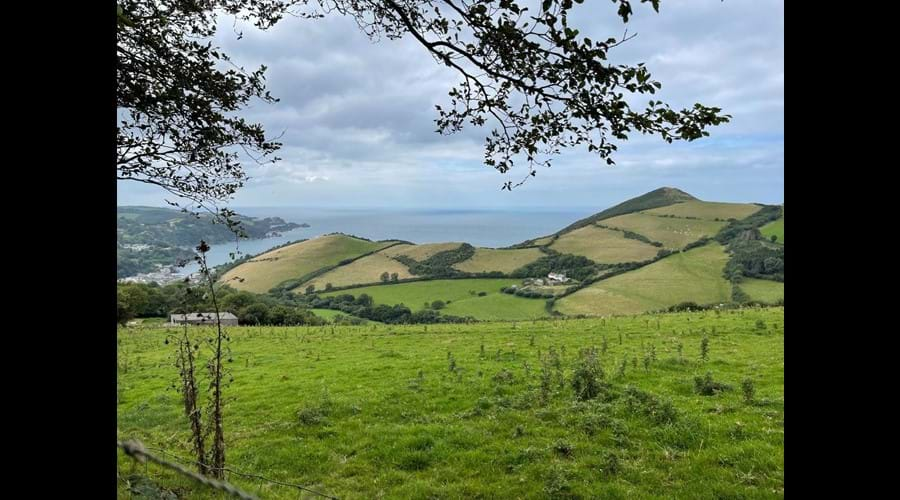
647, 253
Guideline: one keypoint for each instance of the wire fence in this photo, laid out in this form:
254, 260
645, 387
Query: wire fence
136, 450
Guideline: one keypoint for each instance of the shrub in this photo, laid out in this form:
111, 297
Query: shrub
586, 379
564, 448
706, 386
749, 390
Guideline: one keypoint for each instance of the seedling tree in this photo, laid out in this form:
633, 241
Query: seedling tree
210, 462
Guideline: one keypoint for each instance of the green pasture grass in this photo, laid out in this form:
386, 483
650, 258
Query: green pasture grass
376, 412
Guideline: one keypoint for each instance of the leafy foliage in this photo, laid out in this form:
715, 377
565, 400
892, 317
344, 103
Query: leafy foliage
439, 265
574, 266
177, 107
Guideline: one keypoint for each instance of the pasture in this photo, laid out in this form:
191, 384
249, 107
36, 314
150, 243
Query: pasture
482, 410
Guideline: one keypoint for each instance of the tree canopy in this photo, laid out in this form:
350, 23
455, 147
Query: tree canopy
525, 71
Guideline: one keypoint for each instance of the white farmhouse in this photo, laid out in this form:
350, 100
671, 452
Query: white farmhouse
560, 277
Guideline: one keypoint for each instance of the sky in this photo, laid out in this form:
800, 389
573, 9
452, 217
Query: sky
358, 116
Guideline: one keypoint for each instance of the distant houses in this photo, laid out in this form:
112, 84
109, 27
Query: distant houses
207, 318
551, 280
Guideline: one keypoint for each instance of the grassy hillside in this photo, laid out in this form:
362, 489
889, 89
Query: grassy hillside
420, 252
462, 294
692, 276
657, 198
673, 233
708, 210
763, 290
776, 228
506, 261
375, 412
294, 261
605, 246
365, 270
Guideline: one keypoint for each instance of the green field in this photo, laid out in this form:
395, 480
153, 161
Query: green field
709, 210
776, 227
673, 233
421, 252
463, 302
383, 416
605, 246
763, 290
330, 314
361, 271
295, 261
692, 276
506, 261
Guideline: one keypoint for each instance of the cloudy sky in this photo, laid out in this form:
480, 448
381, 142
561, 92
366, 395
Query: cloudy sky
358, 116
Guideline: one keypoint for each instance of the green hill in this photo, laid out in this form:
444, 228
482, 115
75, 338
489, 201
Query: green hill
297, 261
647, 253
692, 276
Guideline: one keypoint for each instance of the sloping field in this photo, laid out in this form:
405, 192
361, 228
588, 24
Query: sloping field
498, 307
692, 276
709, 210
420, 252
605, 246
361, 271
462, 294
295, 261
763, 290
543, 241
507, 261
776, 227
673, 233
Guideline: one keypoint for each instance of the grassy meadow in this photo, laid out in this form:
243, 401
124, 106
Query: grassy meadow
709, 210
776, 228
506, 261
294, 261
692, 276
763, 290
365, 270
671, 232
462, 295
605, 246
482, 410
420, 252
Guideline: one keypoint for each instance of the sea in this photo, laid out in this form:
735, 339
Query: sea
492, 228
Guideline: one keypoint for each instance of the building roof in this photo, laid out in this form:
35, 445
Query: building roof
206, 316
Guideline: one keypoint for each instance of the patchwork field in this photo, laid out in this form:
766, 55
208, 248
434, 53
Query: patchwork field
763, 290
776, 228
265, 271
709, 210
605, 246
673, 233
692, 276
383, 412
365, 270
420, 252
463, 297
506, 261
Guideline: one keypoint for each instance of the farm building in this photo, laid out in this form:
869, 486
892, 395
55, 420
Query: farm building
558, 277
206, 318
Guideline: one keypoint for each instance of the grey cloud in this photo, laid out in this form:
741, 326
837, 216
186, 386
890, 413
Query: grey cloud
361, 114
